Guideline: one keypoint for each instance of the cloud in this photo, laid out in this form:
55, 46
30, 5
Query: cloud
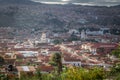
91, 2
65, 0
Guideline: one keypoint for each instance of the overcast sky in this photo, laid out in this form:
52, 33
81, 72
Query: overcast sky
83, 2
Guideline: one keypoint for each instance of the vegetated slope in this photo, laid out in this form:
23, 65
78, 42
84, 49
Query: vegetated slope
16, 2
27, 14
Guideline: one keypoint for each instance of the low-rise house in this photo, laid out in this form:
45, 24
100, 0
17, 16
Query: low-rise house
69, 59
9, 61
44, 58
54, 50
29, 70
46, 68
99, 48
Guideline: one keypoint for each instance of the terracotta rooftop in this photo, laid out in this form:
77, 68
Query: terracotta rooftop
54, 49
71, 57
25, 68
46, 68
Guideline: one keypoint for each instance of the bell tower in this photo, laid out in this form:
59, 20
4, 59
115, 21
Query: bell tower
43, 38
83, 35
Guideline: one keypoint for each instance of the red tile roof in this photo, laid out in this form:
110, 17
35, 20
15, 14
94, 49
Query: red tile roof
71, 57
54, 49
46, 68
105, 45
26, 68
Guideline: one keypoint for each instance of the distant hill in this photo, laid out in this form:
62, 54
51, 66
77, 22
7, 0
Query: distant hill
8, 10
117, 6
29, 14
16, 2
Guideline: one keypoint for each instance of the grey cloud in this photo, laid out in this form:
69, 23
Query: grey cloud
96, 2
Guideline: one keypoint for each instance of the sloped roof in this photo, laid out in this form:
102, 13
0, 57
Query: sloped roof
25, 68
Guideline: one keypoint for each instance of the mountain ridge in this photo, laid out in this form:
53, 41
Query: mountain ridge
17, 2
27, 14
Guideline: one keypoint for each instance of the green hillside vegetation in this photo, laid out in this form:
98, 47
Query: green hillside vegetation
72, 73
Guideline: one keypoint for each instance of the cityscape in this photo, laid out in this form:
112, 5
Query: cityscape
41, 41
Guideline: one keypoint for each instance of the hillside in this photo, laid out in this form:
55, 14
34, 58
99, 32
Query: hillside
27, 14
16, 2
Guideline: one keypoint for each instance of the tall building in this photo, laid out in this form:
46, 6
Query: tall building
83, 35
43, 38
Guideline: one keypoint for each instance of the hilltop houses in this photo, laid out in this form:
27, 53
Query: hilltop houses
100, 48
91, 48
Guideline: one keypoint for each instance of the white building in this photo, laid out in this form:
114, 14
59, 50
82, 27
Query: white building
88, 32
29, 53
43, 38
83, 35
71, 59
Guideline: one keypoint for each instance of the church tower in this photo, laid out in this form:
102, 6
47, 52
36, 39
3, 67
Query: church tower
83, 35
43, 38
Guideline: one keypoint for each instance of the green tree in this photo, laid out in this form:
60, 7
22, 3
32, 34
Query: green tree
1, 61
57, 41
97, 73
116, 52
115, 69
115, 72
73, 37
75, 73
38, 74
56, 59
4, 77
